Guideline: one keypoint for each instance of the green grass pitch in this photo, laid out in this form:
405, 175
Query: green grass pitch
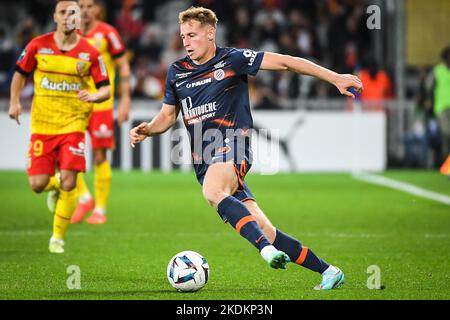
347, 222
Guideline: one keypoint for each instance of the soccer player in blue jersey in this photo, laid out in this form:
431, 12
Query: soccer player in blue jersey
209, 86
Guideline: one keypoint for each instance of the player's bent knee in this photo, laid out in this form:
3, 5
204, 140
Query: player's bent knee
68, 184
38, 183
214, 197
38, 187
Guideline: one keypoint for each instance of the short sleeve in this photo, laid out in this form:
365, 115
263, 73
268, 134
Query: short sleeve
99, 72
26, 63
246, 61
115, 43
170, 96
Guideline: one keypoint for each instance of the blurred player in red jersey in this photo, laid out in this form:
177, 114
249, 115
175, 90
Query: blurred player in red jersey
101, 124
64, 65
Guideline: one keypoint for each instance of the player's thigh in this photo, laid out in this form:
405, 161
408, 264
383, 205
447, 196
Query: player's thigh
71, 157
42, 158
220, 181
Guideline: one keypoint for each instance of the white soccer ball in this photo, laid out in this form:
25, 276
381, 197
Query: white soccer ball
188, 271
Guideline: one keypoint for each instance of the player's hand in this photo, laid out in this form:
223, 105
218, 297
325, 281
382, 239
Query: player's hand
85, 96
15, 110
344, 82
139, 133
123, 110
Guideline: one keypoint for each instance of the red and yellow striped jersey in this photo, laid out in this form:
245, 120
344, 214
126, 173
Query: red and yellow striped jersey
107, 40
58, 77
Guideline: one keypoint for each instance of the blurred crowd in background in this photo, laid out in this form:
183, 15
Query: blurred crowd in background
329, 32
332, 33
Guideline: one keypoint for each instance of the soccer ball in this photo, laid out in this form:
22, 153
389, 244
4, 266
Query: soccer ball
188, 271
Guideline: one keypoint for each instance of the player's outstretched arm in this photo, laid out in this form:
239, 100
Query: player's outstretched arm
124, 87
163, 121
15, 108
280, 62
103, 94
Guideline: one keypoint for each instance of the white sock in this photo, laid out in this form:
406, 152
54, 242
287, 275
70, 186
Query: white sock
101, 211
267, 251
85, 198
331, 268
53, 239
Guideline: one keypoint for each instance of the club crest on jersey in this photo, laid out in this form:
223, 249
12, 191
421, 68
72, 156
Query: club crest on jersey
81, 68
219, 74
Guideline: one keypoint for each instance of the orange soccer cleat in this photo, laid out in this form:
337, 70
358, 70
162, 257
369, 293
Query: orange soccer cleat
81, 210
96, 218
445, 169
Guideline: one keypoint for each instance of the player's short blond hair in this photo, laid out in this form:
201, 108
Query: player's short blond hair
203, 15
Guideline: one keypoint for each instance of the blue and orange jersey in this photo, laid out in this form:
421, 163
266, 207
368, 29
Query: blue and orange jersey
58, 77
213, 95
107, 40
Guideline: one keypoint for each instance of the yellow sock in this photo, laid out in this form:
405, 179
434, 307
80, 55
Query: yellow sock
53, 184
65, 207
102, 184
82, 188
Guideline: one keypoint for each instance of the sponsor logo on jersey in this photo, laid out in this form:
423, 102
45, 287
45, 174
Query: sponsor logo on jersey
251, 55
220, 65
199, 113
102, 66
182, 75
97, 40
219, 74
103, 132
84, 56
198, 83
78, 151
59, 86
22, 55
178, 84
115, 41
46, 51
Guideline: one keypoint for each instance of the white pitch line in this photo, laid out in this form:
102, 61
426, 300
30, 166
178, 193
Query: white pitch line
403, 186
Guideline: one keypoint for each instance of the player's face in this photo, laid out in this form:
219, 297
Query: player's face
197, 39
88, 10
67, 16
